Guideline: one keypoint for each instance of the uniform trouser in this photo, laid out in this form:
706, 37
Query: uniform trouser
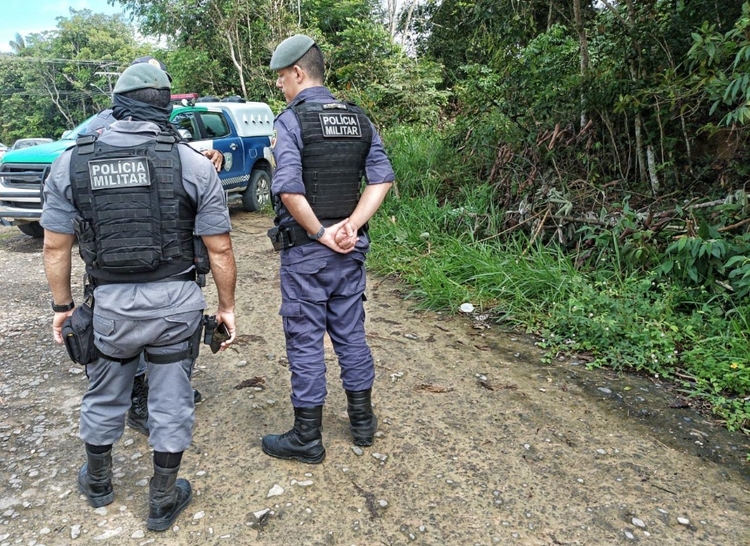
323, 295
170, 398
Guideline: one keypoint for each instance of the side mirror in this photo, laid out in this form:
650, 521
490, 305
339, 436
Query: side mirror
65, 134
185, 134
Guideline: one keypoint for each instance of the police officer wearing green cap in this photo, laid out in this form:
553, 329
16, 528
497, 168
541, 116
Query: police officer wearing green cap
134, 197
137, 417
324, 148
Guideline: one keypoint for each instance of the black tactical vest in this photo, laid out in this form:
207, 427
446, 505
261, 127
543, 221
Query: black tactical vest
136, 219
336, 139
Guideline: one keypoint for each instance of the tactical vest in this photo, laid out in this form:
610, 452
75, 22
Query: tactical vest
136, 219
336, 139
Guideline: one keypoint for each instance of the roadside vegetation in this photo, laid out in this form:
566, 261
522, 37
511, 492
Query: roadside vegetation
675, 307
575, 169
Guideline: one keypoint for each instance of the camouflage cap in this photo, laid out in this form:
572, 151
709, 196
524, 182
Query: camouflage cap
290, 50
142, 76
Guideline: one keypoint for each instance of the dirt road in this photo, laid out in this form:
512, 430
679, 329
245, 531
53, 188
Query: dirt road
479, 443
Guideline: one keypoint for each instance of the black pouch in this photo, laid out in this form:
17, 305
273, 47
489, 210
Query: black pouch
201, 261
86, 240
78, 335
277, 240
219, 335
282, 237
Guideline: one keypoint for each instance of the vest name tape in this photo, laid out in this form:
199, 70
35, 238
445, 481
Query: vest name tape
339, 124
119, 173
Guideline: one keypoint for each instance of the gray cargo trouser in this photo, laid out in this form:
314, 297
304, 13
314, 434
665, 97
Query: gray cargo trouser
170, 398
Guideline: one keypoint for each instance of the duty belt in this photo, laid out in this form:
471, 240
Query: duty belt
290, 235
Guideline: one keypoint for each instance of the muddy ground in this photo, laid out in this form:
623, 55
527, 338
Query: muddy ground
479, 442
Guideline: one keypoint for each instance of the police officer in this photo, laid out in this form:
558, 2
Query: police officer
323, 149
137, 417
134, 197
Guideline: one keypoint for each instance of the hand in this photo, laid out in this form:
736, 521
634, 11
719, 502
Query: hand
346, 236
216, 157
340, 237
57, 323
227, 318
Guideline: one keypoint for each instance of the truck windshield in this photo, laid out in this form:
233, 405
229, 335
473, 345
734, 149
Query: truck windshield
77, 130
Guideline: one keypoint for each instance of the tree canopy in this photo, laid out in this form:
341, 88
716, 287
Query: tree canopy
642, 92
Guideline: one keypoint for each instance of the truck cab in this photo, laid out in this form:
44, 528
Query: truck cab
21, 175
242, 132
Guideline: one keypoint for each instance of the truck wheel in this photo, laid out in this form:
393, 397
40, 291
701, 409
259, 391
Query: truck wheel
258, 192
32, 229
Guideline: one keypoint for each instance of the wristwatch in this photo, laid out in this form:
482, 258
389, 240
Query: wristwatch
318, 235
63, 308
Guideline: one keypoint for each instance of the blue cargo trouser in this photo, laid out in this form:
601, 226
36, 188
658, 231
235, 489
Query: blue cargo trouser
325, 293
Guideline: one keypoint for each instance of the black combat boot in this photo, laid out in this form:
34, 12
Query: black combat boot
168, 496
362, 420
303, 442
138, 413
95, 478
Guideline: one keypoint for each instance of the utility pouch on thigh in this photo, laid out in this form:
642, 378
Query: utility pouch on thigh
78, 335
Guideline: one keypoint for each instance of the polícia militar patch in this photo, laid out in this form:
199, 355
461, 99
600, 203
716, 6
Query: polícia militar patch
119, 173
340, 125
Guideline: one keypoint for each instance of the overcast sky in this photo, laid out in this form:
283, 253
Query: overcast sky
30, 16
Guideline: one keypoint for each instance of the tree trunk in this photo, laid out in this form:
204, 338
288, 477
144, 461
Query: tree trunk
584, 57
237, 62
407, 24
653, 177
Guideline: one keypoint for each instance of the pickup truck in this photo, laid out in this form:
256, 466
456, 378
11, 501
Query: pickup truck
241, 131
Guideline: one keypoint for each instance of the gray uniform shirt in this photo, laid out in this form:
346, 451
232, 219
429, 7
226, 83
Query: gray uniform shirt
199, 178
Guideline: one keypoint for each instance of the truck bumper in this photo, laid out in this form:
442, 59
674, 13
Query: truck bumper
22, 204
21, 191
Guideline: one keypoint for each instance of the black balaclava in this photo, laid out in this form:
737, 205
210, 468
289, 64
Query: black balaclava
125, 108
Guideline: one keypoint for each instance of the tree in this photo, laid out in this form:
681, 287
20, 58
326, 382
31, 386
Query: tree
226, 43
58, 78
18, 44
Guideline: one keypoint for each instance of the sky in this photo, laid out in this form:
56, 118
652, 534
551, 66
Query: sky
30, 16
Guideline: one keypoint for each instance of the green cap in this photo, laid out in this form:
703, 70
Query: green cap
290, 50
142, 76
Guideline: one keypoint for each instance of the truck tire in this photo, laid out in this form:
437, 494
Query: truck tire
258, 193
32, 229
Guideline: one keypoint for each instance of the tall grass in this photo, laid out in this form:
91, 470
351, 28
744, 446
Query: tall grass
417, 155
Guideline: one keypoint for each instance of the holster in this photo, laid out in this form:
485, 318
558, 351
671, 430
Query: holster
201, 261
282, 237
78, 332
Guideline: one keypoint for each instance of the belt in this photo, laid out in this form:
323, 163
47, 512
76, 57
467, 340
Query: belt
189, 276
292, 234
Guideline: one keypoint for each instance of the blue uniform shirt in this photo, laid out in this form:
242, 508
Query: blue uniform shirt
287, 178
